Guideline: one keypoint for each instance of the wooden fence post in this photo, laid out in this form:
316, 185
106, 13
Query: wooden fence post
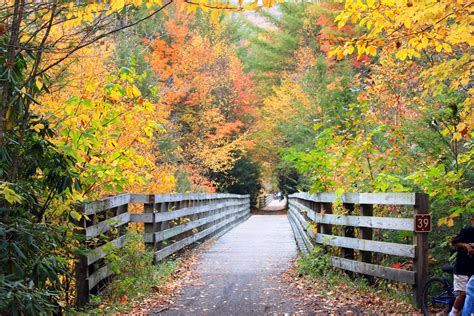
348, 253
317, 208
164, 225
327, 208
420, 241
366, 233
121, 210
150, 228
81, 267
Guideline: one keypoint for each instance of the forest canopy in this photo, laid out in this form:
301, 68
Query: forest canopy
248, 97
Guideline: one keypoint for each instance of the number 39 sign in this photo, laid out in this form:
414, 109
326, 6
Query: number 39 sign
422, 223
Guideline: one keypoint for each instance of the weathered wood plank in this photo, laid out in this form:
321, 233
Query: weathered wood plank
360, 198
104, 226
174, 231
299, 217
302, 221
105, 204
302, 208
374, 270
81, 271
165, 252
167, 216
309, 245
366, 233
327, 209
299, 239
349, 231
366, 221
123, 199
177, 197
406, 224
100, 252
98, 276
367, 245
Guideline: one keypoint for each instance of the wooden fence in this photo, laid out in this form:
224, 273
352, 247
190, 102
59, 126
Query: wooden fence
309, 210
264, 200
171, 223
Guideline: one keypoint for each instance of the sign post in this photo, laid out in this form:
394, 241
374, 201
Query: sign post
422, 228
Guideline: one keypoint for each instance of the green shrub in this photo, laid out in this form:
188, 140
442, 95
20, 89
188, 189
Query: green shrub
30, 268
136, 275
316, 264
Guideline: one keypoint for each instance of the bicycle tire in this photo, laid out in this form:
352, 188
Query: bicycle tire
438, 286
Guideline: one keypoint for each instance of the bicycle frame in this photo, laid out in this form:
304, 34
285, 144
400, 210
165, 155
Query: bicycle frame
447, 296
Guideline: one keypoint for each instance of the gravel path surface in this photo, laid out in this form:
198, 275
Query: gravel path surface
240, 273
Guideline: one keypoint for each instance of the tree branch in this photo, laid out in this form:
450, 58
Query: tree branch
89, 42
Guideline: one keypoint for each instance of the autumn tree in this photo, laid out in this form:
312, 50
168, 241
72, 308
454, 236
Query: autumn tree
268, 50
310, 88
208, 95
427, 44
108, 126
406, 122
57, 149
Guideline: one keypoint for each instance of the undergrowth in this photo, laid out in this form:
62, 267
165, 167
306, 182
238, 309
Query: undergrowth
316, 267
136, 277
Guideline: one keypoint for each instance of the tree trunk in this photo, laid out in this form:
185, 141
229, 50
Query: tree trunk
13, 46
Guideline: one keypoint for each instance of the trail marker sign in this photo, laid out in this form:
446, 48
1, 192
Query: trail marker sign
422, 223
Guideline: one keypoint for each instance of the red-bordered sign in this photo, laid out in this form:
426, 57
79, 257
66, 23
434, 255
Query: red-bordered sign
422, 223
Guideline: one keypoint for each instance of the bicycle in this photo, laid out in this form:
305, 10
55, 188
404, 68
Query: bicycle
438, 294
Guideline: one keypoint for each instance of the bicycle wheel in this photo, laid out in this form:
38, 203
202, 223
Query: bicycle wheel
437, 297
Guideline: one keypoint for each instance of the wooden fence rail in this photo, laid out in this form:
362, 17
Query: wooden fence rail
264, 200
312, 220
171, 223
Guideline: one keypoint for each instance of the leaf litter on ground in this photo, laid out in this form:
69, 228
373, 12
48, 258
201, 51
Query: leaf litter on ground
321, 298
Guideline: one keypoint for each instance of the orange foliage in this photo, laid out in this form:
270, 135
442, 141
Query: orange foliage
210, 98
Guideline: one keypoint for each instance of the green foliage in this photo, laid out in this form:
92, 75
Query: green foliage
270, 50
131, 48
243, 178
183, 185
31, 266
289, 179
34, 176
136, 275
315, 265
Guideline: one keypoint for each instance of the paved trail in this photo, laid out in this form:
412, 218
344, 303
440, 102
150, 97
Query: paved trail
275, 205
238, 274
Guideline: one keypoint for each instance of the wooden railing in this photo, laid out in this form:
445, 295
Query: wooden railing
171, 223
264, 200
356, 252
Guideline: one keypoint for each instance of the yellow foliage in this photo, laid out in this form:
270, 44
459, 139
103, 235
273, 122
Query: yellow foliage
288, 102
410, 26
101, 120
439, 31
